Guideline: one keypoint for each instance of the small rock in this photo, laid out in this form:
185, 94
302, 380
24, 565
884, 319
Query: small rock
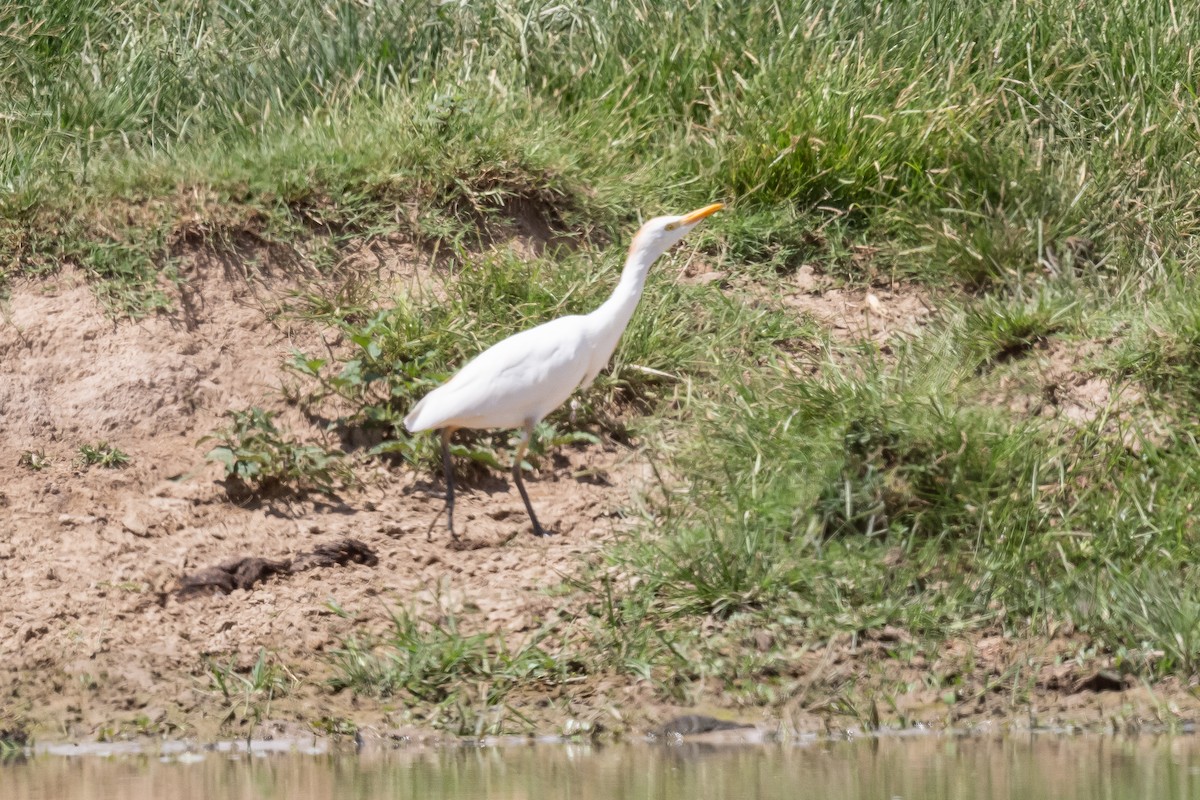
707, 277
132, 523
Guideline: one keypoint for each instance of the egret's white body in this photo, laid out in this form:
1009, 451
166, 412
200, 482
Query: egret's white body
516, 382
525, 376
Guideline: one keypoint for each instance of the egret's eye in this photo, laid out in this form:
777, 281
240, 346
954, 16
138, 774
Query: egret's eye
671, 226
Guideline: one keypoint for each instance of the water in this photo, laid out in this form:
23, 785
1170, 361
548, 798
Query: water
931, 768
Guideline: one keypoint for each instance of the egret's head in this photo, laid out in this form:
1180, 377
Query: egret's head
661, 232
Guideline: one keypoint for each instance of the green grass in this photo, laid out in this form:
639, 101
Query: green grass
966, 140
401, 352
453, 680
1033, 167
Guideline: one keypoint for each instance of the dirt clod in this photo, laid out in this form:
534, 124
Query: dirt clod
1104, 680
244, 573
347, 551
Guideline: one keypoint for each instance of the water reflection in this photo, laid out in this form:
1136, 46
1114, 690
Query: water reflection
938, 768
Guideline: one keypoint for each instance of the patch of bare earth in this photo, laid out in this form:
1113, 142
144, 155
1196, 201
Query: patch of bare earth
92, 636
877, 314
1054, 381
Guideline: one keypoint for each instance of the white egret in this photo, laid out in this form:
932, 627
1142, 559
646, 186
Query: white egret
516, 382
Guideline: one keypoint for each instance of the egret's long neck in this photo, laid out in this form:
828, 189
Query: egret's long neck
613, 315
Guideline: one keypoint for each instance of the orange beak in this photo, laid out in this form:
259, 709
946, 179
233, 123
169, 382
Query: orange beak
701, 213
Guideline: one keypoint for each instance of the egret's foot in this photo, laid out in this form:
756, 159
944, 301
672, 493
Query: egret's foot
539, 531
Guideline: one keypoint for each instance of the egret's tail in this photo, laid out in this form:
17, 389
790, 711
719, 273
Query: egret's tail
413, 420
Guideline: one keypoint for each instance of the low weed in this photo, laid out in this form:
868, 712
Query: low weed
1162, 350
260, 458
33, 460
428, 661
998, 329
13, 742
103, 454
1149, 615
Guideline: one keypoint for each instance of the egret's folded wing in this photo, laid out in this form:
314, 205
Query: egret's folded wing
525, 376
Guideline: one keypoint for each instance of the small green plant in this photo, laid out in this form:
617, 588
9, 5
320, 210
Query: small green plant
103, 454
250, 695
335, 726
258, 457
547, 438
34, 460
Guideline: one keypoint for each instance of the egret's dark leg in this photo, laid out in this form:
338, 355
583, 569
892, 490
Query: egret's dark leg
449, 469
526, 432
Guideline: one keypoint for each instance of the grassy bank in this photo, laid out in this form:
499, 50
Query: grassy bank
1031, 170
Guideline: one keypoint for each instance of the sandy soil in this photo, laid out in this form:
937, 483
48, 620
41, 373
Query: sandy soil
88, 556
93, 641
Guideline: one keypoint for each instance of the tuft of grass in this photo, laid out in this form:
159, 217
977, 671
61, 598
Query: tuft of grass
1149, 615
1163, 348
103, 454
999, 329
13, 743
249, 696
461, 681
